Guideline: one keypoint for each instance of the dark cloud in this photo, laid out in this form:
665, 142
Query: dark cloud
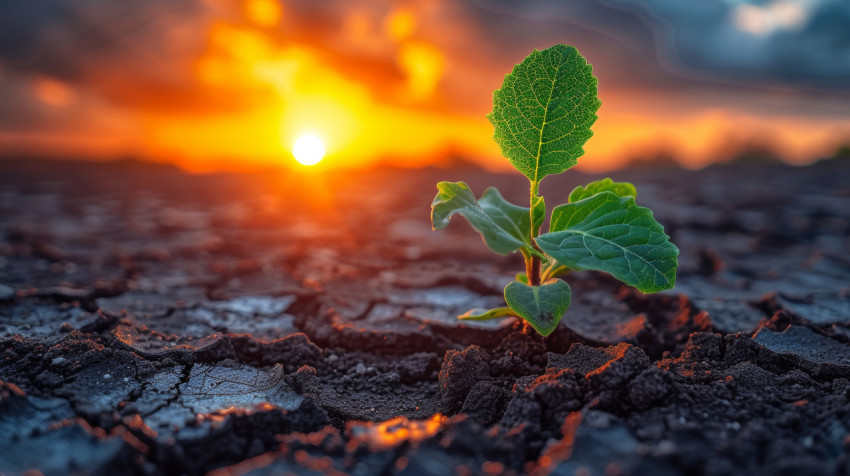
614, 39
792, 42
771, 42
122, 50
653, 44
64, 38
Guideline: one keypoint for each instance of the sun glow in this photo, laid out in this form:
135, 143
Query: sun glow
308, 150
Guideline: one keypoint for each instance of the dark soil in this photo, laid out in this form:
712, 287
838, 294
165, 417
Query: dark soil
158, 323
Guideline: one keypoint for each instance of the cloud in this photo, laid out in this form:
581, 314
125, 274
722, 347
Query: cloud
200, 78
798, 43
783, 42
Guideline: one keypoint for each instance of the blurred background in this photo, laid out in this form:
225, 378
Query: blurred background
231, 85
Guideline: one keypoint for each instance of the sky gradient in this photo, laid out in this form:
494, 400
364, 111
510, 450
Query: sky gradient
231, 84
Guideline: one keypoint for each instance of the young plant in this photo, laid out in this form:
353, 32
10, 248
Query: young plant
542, 117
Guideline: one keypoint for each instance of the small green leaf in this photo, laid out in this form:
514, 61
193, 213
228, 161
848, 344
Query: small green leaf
483, 315
543, 112
612, 234
503, 226
512, 218
522, 277
621, 189
541, 306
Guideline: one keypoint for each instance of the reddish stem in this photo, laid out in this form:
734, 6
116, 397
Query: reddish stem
534, 272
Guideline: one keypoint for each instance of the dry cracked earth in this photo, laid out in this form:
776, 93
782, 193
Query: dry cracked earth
156, 323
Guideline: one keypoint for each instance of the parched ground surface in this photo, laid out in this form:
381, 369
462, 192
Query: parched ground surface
158, 323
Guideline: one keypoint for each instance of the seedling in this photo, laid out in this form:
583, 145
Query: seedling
542, 117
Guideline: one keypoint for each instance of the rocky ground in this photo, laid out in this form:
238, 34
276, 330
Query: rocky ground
158, 323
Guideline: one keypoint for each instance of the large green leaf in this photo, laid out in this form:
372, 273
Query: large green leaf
505, 227
541, 306
622, 189
609, 233
543, 112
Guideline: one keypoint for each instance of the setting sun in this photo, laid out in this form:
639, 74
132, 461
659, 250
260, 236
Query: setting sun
308, 150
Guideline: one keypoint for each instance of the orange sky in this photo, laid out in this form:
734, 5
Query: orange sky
392, 82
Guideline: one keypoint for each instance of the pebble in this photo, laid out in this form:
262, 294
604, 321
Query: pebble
333, 358
666, 447
360, 369
58, 361
107, 376
808, 442
7, 293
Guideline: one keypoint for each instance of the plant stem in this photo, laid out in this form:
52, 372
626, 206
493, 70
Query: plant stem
533, 268
534, 273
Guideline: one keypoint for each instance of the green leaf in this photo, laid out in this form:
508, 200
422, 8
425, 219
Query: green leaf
503, 225
512, 218
543, 112
541, 306
612, 234
621, 189
483, 315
